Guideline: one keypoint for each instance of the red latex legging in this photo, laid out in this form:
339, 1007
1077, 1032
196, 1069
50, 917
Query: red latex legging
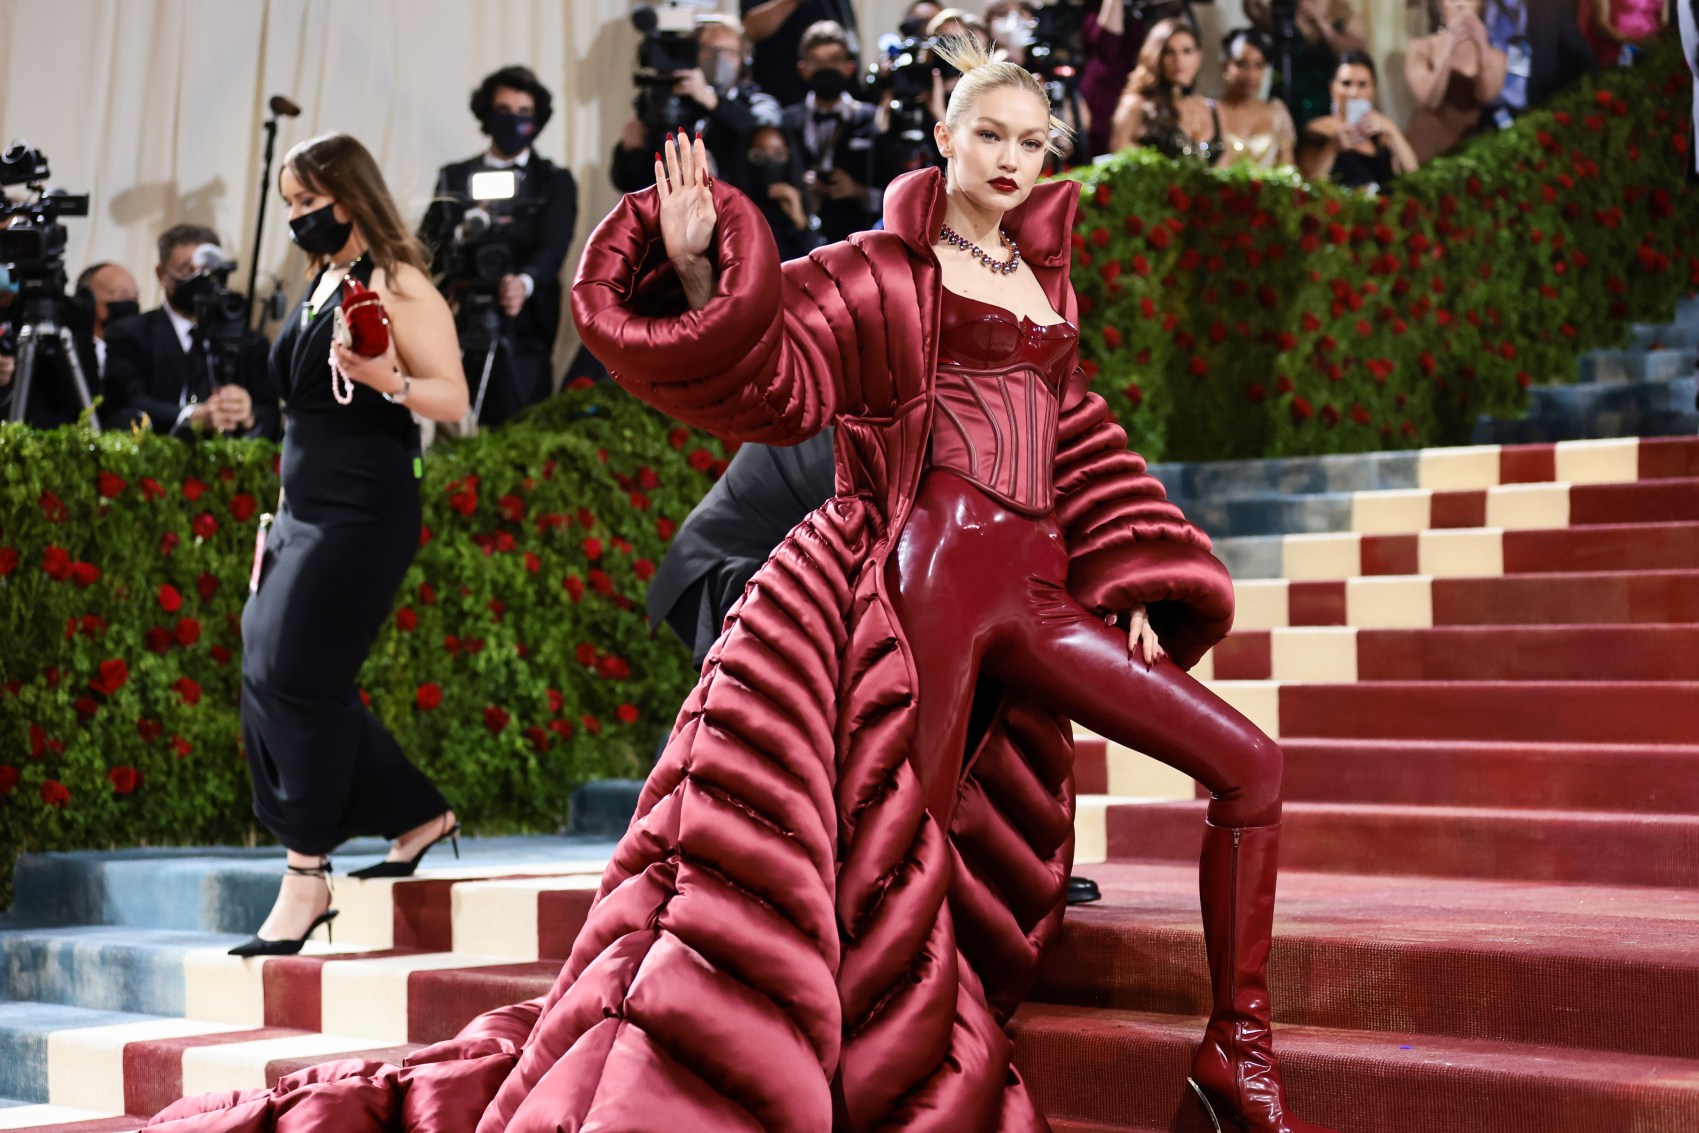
979, 588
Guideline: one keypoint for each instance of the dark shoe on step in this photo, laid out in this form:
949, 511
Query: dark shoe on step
1083, 891
260, 946
407, 866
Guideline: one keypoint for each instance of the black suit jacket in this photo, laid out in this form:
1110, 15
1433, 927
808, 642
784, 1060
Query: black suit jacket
147, 371
855, 150
538, 237
764, 493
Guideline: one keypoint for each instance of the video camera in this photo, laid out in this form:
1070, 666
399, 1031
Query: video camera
32, 246
904, 85
221, 315
32, 241
481, 255
667, 50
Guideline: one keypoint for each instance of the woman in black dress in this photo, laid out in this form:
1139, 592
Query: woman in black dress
347, 527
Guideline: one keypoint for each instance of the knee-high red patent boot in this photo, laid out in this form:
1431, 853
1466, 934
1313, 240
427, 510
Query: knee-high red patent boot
1234, 1072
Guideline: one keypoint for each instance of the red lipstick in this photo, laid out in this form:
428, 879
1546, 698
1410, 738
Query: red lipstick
1003, 185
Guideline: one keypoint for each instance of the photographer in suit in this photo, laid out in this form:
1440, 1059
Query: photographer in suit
715, 99
835, 134
105, 293
498, 259
184, 377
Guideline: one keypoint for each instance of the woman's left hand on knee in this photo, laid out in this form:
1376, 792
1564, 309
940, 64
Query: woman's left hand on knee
1141, 636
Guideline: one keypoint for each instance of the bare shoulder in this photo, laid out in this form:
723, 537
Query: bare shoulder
404, 284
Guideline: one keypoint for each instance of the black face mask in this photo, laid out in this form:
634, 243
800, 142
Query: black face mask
512, 133
827, 84
122, 309
319, 232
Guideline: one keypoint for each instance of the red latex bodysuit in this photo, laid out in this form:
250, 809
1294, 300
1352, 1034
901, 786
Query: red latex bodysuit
979, 577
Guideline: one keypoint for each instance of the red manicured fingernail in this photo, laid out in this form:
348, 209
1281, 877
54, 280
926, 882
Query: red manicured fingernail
699, 135
657, 155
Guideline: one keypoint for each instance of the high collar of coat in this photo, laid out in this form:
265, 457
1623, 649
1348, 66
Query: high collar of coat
1041, 226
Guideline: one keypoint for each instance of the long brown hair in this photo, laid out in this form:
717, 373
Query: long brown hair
339, 167
1161, 98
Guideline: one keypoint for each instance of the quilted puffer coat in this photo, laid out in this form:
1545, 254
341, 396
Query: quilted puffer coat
786, 940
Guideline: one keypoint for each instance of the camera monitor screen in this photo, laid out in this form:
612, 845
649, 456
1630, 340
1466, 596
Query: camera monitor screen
493, 185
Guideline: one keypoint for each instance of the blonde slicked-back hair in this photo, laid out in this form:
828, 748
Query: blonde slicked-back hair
981, 72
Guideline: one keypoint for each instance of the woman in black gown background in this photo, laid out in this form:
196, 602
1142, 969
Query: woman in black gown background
347, 527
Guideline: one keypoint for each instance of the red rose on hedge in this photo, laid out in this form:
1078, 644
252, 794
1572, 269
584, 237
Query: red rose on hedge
242, 507
151, 489
644, 569
158, 640
169, 599
188, 632
8, 778
406, 620
189, 689
8, 560
110, 484
54, 508
56, 563
85, 574
429, 696
204, 525
586, 653
495, 718
114, 674
124, 779
593, 546
55, 793
574, 587
168, 543
193, 489
627, 713
149, 730
181, 746
556, 701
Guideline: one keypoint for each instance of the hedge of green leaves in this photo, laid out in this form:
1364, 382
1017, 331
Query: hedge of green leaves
516, 665
1226, 314
1231, 313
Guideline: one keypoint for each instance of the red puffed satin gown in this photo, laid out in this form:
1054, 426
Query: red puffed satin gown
848, 861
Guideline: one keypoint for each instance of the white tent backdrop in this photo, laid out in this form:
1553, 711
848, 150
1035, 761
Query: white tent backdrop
154, 106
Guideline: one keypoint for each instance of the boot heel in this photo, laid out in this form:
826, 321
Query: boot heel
454, 840
1203, 1100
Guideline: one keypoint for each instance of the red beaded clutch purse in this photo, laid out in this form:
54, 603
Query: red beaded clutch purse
361, 322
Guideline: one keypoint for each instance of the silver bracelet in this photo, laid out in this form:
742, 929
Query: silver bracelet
402, 394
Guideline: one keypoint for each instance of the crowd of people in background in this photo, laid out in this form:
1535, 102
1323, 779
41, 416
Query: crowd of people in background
799, 111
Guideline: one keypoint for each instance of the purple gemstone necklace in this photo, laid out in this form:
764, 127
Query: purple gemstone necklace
951, 236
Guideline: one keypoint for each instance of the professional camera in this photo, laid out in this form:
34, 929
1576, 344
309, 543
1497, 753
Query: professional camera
905, 87
32, 246
666, 51
478, 261
32, 241
221, 315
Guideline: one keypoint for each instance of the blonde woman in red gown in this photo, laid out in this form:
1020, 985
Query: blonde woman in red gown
848, 862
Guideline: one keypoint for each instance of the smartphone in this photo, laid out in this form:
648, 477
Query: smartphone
1356, 109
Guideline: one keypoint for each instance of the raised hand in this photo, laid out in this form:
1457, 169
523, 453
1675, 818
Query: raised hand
687, 199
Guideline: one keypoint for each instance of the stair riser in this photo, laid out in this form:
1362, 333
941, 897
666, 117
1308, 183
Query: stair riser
1559, 712
1646, 780
1418, 602
1464, 554
1441, 989
1458, 653
1082, 1070
1625, 850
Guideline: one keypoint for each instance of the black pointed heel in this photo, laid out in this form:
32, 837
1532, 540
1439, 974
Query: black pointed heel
259, 946
406, 868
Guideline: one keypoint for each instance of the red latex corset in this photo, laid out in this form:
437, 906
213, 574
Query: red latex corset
999, 388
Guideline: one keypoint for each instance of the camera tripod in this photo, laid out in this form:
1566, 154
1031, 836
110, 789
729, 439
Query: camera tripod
40, 329
483, 327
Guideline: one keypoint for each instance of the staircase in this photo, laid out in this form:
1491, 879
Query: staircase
1483, 665
1645, 388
